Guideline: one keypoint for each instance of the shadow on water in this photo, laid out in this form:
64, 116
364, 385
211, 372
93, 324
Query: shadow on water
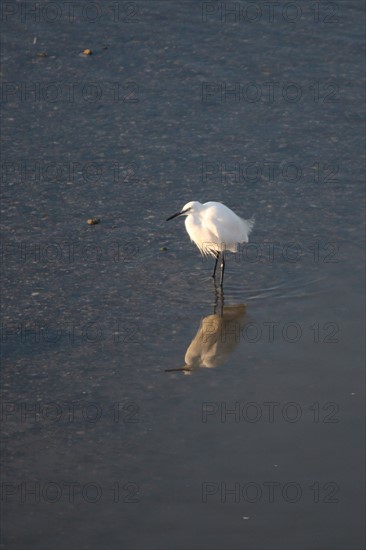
217, 335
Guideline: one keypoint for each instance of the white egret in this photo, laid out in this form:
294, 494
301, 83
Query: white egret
215, 229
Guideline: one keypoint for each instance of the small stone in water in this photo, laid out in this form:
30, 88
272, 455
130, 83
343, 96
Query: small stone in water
93, 221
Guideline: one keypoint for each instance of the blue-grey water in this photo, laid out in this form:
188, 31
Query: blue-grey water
259, 443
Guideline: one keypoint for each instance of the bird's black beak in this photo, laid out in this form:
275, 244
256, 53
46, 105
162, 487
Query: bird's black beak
177, 214
174, 216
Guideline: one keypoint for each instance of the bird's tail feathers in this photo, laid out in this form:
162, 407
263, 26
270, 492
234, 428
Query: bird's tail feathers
250, 224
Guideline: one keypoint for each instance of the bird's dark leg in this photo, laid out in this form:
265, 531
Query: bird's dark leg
217, 258
216, 292
222, 269
222, 302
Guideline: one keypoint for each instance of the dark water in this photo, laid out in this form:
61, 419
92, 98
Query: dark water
101, 447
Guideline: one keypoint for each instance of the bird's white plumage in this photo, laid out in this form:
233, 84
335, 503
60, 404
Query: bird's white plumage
213, 227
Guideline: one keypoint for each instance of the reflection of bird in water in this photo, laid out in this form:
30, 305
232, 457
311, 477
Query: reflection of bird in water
215, 229
216, 339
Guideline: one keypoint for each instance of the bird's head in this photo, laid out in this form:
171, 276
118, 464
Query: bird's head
187, 209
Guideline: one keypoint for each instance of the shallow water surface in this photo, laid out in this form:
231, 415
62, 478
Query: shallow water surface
143, 407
